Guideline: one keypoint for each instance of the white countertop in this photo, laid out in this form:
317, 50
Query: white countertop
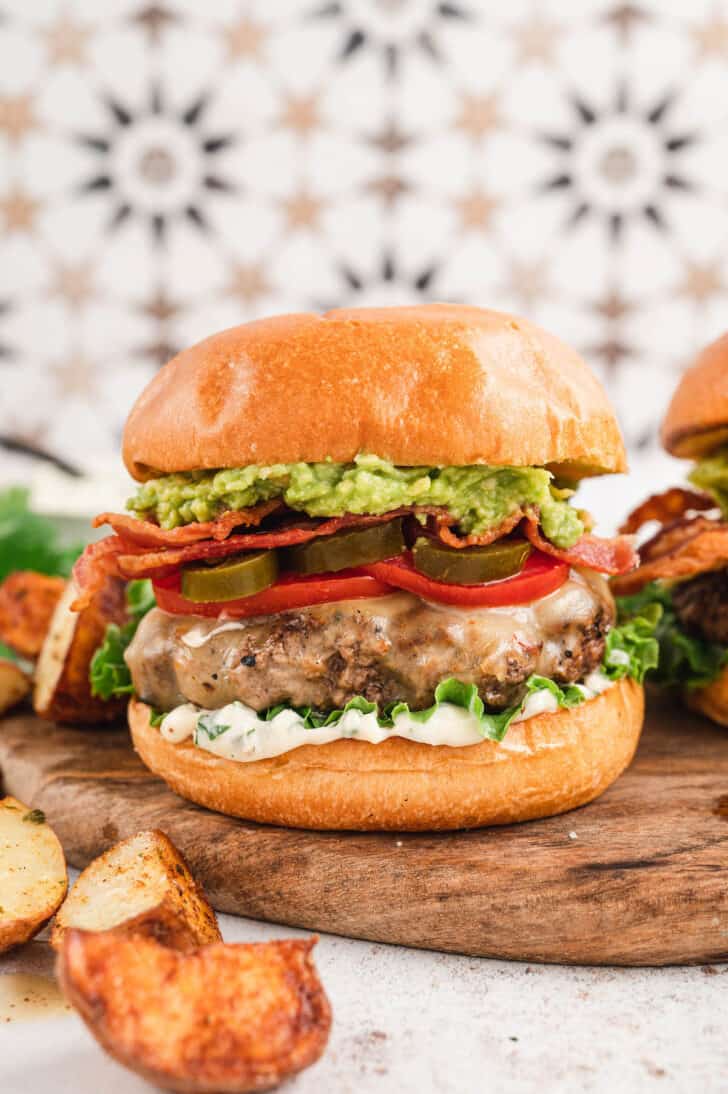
407, 1020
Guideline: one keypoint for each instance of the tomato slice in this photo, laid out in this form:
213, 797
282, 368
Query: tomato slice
541, 574
289, 591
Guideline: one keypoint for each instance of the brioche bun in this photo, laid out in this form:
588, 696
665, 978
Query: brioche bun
437, 385
696, 422
546, 765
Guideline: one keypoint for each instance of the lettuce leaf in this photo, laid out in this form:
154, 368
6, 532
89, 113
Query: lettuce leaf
109, 675
680, 659
29, 541
493, 726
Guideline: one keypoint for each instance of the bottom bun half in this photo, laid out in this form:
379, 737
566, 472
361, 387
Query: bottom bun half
712, 700
546, 765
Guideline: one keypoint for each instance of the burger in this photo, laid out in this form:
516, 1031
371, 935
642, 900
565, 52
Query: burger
682, 582
376, 606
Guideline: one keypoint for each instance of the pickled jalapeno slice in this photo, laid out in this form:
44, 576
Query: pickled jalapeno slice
346, 549
232, 579
470, 565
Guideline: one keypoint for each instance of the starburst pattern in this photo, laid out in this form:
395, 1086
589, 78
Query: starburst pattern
390, 282
18, 210
620, 163
554, 162
392, 29
17, 116
67, 40
157, 164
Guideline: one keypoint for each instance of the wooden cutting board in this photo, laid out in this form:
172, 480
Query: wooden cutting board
639, 877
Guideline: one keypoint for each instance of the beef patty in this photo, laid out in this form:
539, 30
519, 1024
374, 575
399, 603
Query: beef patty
701, 605
389, 648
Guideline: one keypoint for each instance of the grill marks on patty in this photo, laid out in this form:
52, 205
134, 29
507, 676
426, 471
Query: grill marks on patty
387, 649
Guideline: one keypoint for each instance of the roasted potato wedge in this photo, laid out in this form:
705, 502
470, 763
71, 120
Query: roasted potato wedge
226, 1018
33, 879
14, 685
141, 886
27, 603
62, 691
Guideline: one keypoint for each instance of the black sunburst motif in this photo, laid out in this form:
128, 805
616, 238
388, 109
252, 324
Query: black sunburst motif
157, 164
387, 283
620, 163
392, 27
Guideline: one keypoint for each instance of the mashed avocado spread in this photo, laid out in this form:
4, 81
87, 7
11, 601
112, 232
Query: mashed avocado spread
711, 475
479, 498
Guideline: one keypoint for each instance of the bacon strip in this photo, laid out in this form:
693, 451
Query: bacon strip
681, 550
606, 556
137, 552
155, 563
667, 506
98, 561
125, 558
147, 534
482, 539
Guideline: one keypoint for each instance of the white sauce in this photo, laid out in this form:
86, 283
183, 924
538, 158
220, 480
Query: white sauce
252, 738
198, 635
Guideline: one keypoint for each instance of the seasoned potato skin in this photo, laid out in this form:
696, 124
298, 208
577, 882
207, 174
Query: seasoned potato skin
225, 1018
27, 603
14, 685
145, 870
62, 689
33, 877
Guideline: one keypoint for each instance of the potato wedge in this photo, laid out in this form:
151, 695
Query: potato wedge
14, 685
141, 886
33, 878
27, 603
226, 1018
62, 691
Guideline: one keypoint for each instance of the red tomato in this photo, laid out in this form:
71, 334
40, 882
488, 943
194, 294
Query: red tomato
289, 591
540, 575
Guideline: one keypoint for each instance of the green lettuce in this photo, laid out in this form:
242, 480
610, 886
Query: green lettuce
108, 674
29, 541
493, 726
680, 659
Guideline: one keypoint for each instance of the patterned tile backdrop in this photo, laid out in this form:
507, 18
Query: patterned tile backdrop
167, 169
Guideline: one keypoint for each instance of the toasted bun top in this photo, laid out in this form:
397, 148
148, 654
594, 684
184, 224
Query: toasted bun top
437, 385
696, 422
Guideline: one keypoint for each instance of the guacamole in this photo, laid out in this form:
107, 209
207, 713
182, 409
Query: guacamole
479, 498
711, 475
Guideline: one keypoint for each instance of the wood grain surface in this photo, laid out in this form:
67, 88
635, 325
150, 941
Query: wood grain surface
639, 877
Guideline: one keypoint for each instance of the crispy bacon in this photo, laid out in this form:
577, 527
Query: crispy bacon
155, 563
606, 556
98, 561
667, 507
141, 549
681, 550
452, 539
147, 534
122, 556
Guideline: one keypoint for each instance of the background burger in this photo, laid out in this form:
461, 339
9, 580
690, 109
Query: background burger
376, 604
682, 582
